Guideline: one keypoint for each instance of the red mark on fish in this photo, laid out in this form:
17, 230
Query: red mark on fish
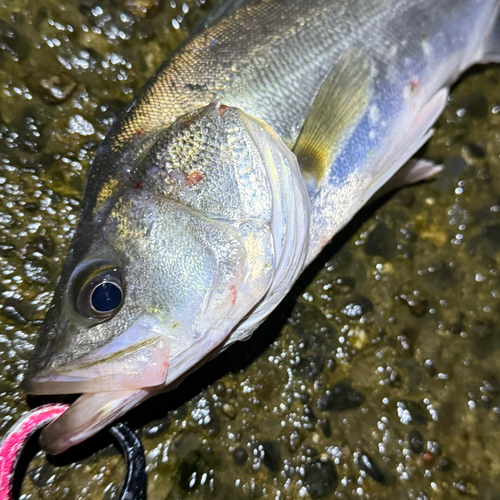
234, 294
193, 177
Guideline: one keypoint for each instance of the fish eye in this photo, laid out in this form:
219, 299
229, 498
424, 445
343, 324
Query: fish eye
99, 293
106, 297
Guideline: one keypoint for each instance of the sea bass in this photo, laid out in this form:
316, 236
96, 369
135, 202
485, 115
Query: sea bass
251, 146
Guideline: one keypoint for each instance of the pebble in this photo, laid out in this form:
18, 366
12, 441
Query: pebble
447, 179
484, 338
309, 367
269, 455
31, 126
156, 427
320, 478
57, 88
229, 410
410, 412
340, 397
416, 305
357, 307
475, 104
416, 441
12, 41
367, 465
44, 245
240, 456
474, 151
381, 242
191, 470
326, 428
42, 476
445, 464
18, 310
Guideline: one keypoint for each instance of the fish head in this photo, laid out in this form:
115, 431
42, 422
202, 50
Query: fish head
170, 257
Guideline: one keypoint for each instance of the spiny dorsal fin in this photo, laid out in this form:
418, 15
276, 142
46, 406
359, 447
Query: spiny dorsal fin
339, 106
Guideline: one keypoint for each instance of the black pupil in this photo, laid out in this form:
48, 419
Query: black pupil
106, 297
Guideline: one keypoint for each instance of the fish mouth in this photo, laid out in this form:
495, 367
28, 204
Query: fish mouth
112, 380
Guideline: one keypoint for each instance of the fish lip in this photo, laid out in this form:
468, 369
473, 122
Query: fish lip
88, 415
111, 381
137, 359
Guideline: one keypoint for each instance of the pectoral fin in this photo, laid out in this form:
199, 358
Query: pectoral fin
413, 171
339, 106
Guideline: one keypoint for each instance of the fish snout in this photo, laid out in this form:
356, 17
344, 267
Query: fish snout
112, 380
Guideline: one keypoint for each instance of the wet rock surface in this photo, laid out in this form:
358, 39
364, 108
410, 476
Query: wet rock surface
376, 378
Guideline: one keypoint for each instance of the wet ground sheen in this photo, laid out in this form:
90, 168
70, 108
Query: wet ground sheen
378, 378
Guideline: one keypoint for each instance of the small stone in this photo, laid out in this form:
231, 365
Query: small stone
57, 88
108, 111
6, 250
156, 427
434, 448
204, 414
13, 42
331, 364
447, 179
269, 455
229, 410
140, 8
416, 304
467, 487
42, 476
324, 425
484, 338
416, 441
491, 385
191, 471
445, 464
311, 418
44, 245
474, 104
18, 310
320, 478
357, 307
367, 465
474, 151
381, 242
240, 456
410, 412
30, 126
220, 388
310, 367
340, 397
439, 276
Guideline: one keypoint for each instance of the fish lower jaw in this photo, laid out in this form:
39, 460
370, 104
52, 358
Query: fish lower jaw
89, 414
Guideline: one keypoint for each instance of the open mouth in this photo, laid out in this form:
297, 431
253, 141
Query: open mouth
113, 380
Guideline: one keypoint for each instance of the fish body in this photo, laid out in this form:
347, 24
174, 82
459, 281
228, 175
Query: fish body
249, 148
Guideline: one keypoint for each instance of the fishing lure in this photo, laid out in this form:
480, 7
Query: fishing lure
13, 443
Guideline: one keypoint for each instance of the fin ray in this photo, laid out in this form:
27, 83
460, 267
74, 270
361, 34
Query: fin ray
339, 106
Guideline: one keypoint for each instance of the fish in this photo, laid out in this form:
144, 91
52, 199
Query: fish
245, 153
